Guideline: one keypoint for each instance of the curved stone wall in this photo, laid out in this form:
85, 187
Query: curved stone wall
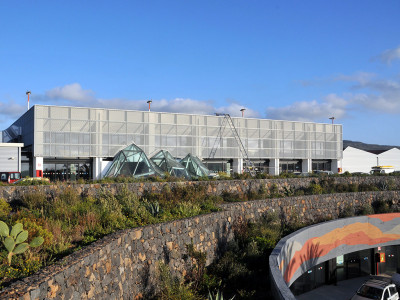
310, 246
123, 265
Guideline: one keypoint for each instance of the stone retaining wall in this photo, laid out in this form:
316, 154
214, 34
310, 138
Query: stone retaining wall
123, 265
217, 187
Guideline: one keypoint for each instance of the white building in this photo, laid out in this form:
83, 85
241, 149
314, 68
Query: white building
69, 142
356, 160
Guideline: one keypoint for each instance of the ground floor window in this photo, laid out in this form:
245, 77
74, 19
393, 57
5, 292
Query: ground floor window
219, 166
321, 165
260, 165
67, 170
289, 166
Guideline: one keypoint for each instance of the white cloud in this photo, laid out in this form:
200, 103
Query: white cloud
181, 105
390, 55
234, 110
387, 103
332, 105
11, 110
72, 92
381, 95
360, 77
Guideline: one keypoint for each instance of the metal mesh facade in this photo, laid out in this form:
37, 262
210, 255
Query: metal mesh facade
91, 132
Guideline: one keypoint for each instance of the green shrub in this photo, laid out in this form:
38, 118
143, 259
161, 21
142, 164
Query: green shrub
35, 228
381, 206
209, 204
263, 176
186, 210
299, 192
224, 176
274, 191
367, 187
22, 266
347, 211
5, 209
230, 197
288, 191
128, 201
173, 288
315, 189
353, 188
366, 209
230, 268
37, 201
383, 186
197, 266
69, 196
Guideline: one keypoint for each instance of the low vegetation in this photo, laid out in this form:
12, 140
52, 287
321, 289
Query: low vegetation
68, 221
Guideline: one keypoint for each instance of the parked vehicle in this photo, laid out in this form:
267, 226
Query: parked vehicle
376, 289
382, 170
9, 177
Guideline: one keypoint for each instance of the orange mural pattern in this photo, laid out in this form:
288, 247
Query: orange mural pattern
353, 234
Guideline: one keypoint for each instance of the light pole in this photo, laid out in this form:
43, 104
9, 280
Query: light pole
28, 93
332, 118
242, 110
149, 102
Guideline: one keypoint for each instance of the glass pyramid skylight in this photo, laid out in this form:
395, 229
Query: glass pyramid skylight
132, 161
167, 163
194, 166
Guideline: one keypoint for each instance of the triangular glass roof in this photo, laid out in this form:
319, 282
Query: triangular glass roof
194, 166
132, 161
167, 163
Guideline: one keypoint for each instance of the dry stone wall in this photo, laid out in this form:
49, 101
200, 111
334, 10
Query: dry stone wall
11, 192
124, 264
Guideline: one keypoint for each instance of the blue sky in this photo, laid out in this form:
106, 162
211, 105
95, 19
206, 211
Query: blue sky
293, 60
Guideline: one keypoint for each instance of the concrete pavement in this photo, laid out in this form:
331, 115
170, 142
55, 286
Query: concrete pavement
344, 290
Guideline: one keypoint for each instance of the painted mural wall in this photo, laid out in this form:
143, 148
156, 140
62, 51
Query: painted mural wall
315, 244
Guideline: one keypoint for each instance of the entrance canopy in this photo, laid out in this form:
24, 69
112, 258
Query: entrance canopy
132, 161
194, 166
165, 161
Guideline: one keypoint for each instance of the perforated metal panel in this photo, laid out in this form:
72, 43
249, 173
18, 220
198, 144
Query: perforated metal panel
92, 132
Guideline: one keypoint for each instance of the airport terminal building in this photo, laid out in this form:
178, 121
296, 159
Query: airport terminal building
66, 143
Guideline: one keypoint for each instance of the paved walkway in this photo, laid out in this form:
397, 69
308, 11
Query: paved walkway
343, 290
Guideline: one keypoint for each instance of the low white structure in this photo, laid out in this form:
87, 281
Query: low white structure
10, 157
356, 160
390, 158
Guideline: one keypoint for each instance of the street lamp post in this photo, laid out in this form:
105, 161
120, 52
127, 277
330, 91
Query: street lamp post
149, 102
332, 118
242, 110
28, 93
